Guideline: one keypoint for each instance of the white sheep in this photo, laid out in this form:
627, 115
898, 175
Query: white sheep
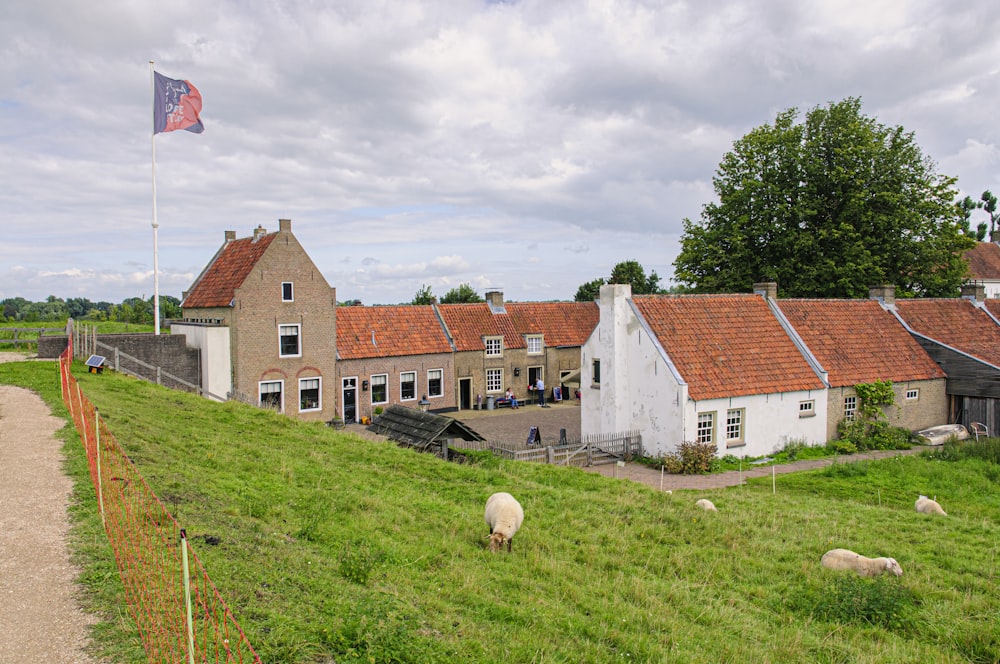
504, 516
706, 505
845, 559
927, 505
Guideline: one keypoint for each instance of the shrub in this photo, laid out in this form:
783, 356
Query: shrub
691, 459
842, 446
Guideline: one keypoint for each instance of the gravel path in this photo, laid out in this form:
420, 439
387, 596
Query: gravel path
40, 619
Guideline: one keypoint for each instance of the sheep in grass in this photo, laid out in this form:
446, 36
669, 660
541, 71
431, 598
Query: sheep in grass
706, 505
927, 505
504, 516
845, 559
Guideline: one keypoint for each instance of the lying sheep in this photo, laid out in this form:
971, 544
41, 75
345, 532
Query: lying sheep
927, 505
706, 505
504, 516
845, 559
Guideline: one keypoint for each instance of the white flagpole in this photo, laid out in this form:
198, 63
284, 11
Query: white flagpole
156, 260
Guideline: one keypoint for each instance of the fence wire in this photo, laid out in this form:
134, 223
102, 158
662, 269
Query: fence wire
147, 544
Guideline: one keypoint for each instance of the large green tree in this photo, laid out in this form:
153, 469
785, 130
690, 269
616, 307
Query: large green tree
827, 208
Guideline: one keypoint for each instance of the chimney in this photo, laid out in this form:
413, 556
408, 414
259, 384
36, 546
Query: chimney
495, 298
766, 289
885, 293
230, 236
995, 236
259, 232
974, 290
285, 225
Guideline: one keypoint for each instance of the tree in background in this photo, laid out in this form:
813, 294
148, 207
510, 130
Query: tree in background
461, 294
989, 203
965, 208
626, 272
827, 208
424, 295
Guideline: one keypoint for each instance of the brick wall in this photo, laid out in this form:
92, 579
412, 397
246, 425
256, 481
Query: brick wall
364, 369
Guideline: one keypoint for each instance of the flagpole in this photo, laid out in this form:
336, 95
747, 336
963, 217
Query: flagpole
156, 260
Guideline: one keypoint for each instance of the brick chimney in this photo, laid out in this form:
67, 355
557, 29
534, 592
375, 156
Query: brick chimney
230, 236
259, 232
974, 290
285, 225
495, 298
884, 293
766, 289
995, 236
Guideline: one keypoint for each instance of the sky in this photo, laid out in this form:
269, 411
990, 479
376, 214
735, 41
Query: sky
526, 146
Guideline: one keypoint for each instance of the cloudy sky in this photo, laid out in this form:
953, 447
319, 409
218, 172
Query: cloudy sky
522, 145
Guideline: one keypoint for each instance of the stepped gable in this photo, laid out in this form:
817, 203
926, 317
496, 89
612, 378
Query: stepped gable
390, 331
727, 345
954, 322
216, 287
857, 341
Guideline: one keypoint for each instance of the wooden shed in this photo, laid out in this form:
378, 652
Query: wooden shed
420, 430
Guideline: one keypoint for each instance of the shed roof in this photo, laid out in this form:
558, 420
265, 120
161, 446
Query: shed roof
416, 428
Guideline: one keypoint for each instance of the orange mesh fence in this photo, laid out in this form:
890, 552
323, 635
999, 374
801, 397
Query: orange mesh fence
151, 553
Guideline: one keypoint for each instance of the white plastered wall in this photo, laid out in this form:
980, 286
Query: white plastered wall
213, 343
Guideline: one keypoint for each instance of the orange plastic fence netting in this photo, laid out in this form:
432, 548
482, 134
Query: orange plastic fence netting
147, 544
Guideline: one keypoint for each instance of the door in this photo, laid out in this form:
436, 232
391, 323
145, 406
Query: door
350, 399
465, 393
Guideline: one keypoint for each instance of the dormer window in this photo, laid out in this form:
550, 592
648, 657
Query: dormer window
287, 294
494, 346
534, 343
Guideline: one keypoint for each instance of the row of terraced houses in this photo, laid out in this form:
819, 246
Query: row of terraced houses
746, 372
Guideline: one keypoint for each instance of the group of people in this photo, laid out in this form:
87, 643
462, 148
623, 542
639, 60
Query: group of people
538, 388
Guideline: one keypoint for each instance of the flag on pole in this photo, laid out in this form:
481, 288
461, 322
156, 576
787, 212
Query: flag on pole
176, 105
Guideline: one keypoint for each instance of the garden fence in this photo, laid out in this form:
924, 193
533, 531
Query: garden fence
179, 613
590, 450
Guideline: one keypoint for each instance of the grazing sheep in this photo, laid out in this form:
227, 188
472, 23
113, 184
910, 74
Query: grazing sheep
844, 559
504, 516
927, 505
706, 505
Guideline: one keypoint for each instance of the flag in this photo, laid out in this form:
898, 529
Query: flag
176, 105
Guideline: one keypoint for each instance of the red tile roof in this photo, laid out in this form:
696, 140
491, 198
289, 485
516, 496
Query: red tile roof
956, 322
217, 285
727, 345
857, 341
984, 261
395, 331
560, 323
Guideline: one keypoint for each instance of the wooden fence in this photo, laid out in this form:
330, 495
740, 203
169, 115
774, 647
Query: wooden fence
592, 450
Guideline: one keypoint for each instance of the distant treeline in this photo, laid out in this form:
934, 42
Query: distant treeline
130, 310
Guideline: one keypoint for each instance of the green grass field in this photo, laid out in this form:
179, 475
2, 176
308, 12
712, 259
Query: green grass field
331, 548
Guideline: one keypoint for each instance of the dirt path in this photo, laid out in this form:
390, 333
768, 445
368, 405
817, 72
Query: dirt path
40, 619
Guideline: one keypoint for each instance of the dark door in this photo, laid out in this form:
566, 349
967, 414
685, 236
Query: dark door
350, 399
465, 393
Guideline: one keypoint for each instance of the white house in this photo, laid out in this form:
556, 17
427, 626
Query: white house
721, 369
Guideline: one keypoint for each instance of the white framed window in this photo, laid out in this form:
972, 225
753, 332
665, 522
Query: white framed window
269, 395
807, 408
309, 394
494, 346
380, 388
435, 383
912, 395
494, 380
287, 292
706, 428
734, 426
288, 341
534, 342
408, 386
850, 407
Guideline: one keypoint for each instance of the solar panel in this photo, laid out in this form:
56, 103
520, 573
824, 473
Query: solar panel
95, 361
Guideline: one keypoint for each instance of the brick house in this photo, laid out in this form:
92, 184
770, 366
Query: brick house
390, 355
499, 345
262, 313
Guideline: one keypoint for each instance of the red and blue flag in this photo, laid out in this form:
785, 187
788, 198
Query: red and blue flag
176, 105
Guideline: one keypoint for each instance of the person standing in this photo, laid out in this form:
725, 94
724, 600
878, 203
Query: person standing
540, 388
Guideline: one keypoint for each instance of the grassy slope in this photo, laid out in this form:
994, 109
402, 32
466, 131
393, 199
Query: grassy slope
331, 547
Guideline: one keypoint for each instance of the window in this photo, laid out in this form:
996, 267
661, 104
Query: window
408, 385
380, 388
912, 395
286, 291
534, 345
288, 340
270, 395
595, 372
850, 407
309, 394
706, 428
734, 427
494, 380
435, 388
494, 346
807, 408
